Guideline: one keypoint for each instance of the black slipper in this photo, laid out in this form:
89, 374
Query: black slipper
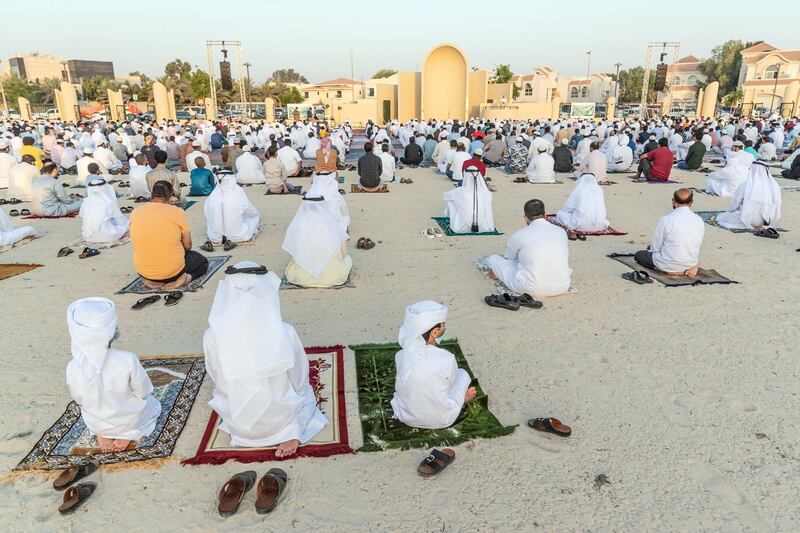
769, 233
503, 301
550, 425
269, 490
173, 298
14, 201
207, 246
527, 301
436, 461
636, 277
72, 475
64, 252
140, 199
580, 236
89, 252
75, 496
645, 276
144, 302
229, 245
233, 491
3, 201
13, 213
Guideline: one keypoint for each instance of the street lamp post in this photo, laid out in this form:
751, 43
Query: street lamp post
588, 73
775, 89
247, 94
3, 93
616, 80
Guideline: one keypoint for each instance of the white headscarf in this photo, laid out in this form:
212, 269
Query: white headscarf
761, 196
100, 205
587, 199
325, 185
224, 208
464, 198
314, 235
420, 317
252, 343
92, 323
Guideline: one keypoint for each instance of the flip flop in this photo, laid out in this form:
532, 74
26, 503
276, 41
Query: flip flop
520, 180
503, 301
429, 233
229, 245
140, 199
13, 213
580, 236
173, 298
571, 235
360, 242
14, 201
635, 277
3, 201
550, 425
72, 475
64, 252
769, 233
75, 496
269, 490
437, 232
527, 301
436, 461
144, 302
232, 492
207, 246
341, 191
645, 276
369, 244
89, 252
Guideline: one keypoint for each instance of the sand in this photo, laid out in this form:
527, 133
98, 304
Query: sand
685, 399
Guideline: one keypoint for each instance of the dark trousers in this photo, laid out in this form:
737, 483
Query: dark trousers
369, 182
195, 264
410, 162
645, 169
645, 258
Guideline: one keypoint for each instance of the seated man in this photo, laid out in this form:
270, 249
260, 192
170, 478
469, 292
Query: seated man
327, 156
429, 389
767, 151
291, 160
48, 198
102, 221
370, 168
695, 154
388, 163
137, 177
275, 175
792, 169
413, 153
326, 186
562, 156
106, 157
110, 386
517, 158
536, 261
229, 213
656, 165
191, 156
757, 202
541, 168
162, 242
441, 157
29, 148
455, 163
725, 181
470, 206
495, 150
202, 179
621, 157
20, 180
595, 162
318, 246
8, 161
585, 208
258, 365
675, 245
83, 166
248, 168
162, 173
69, 159
312, 145
9, 236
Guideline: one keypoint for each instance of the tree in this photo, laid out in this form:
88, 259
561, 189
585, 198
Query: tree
733, 98
287, 75
94, 88
384, 73
725, 63
178, 69
630, 85
15, 87
292, 96
198, 85
502, 74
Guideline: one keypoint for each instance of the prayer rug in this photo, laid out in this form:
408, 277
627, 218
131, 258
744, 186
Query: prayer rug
608, 231
704, 277
71, 215
14, 269
119, 242
287, 285
249, 242
375, 368
790, 188
710, 218
500, 287
654, 182
137, 286
176, 381
326, 375
189, 203
444, 223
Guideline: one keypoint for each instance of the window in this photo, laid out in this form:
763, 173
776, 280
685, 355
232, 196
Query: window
692, 80
306, 94
338, 94
528, 89
371, 91
573, 93
584, 92
771, 72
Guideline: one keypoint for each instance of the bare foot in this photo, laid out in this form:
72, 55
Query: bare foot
285, 449
692, 272
491, 275
758, 228
185, 279
470, 395
120, 445
105, 445
150, 284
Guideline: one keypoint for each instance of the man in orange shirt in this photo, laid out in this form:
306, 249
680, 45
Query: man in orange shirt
28, 148
162, 242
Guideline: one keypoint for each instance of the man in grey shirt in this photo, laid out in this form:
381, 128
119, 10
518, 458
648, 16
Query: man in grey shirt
162, 173
48, 198
121, 151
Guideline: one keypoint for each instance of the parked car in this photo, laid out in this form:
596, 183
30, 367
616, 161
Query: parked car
183, 115
50, 114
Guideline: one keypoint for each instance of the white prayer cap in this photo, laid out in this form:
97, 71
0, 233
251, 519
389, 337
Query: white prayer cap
87, 151
652, 137
195, 143
246, 148
565, 141
92, 323
188, 135
520, 138
419, 319
738, 143
478, 152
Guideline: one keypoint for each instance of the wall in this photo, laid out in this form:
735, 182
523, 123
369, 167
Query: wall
357, 112
385, 92
478, 80
444, 84
520, 111
409, 90
496, 91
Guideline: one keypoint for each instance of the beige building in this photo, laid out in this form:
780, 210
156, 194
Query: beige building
684, 80
770, 80
597, 88
38, 67
542, 85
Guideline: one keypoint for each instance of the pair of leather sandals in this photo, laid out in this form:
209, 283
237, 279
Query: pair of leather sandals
268, 491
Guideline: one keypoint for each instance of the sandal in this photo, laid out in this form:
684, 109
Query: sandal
637, 277
144, 302
342, 192
437, 232
75, 496
436, 461
14, 201
3, 201
520, 180
527, 301
550, 425
360, 242
64, 251
89, 252
769, 233
173, 298
580, 236
429, 233
229, 245
74, 474
13, 213
25, 212
503, 301
207, 246
369, 244
232, 492
140, 199
269, 490
571, 235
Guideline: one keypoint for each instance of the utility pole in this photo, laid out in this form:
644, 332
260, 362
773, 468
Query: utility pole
616, 80
775, 89
352, 70
588, 73
247, 94
5, 104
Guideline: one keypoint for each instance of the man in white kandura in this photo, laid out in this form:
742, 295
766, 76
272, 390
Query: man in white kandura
229, 213
429, 389
83, 166
470, 206
248, 168
9, 236
318, 246
757, 202
325, 184
110, 385
102, 221
536, 261
258, 365
620, 158
541, 168
585, 208
725, 181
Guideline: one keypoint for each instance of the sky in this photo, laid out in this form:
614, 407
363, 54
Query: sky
315, 37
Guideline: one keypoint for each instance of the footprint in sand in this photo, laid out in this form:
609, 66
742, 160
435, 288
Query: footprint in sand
693, 401
646, 377
717, 484
744, 407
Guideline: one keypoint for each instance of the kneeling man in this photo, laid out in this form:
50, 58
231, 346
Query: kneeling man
229, 213
470, 206
585, 209
103, 222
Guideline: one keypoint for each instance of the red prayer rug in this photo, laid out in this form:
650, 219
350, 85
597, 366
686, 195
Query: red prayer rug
70, 215
608, 231
326, 375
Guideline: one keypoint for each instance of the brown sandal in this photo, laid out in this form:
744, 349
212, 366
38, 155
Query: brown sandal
75, 496
436, 461
269, 490
74, 474
369, 244
550, 425
360, 242
232, 492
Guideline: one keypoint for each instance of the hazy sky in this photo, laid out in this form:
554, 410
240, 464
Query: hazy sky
315, 37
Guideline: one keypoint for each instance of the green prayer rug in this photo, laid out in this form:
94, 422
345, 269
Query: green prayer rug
444, 223
189, 203
375, 369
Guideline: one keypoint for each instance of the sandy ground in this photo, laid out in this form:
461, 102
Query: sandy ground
685, 398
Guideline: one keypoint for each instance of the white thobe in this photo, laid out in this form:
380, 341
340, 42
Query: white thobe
230, 213
595, 163
388, 166
583, 149
472, 202
757, 202
137, 178
10, 235
767, 152
677, 240
621, 159
541, 169
724, 182
7, 162
248, 169
457, 163
585, 208
536, 261
106, 158
312, 145
190, 157
102, 221
83, 168
20, 181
